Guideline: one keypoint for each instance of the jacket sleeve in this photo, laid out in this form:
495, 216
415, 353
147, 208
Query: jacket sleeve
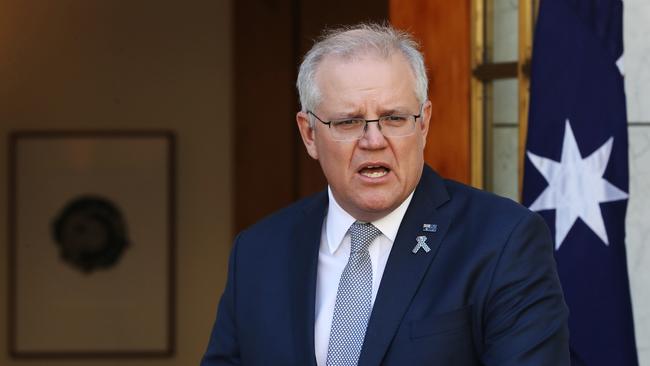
525, 319
223, 347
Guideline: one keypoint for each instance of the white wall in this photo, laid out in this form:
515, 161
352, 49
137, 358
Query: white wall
637, 87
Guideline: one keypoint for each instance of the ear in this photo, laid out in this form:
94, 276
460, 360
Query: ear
424, 124
307, 133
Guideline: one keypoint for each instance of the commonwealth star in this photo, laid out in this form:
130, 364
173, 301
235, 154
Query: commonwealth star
576, 187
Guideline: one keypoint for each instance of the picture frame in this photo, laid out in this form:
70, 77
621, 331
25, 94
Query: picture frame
91, 226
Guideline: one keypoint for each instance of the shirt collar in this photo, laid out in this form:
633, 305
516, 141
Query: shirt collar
338, 221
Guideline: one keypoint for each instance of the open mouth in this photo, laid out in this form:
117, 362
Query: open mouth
374, 171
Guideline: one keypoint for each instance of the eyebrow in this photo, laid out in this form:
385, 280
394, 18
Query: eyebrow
389, 112
357, 113
354, 113
396, 110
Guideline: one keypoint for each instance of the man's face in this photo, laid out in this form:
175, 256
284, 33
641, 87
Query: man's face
371, 176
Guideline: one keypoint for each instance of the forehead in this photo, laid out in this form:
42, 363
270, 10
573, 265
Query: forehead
366, 78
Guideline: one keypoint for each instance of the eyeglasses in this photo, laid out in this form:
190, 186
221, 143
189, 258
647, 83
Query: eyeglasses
350, 129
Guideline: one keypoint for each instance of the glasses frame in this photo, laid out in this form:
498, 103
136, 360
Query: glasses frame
365, 126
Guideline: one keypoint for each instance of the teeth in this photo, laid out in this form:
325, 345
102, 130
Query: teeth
375, 174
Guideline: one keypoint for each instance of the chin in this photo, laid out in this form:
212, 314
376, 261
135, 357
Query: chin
378, 207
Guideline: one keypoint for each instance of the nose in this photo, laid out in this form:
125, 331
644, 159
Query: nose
372, 137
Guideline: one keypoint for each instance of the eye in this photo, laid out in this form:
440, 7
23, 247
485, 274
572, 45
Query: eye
395, 120
347, 123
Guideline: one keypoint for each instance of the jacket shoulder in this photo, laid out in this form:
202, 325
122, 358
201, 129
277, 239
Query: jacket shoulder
475, 202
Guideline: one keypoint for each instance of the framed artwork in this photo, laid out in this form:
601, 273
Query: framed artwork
91, 244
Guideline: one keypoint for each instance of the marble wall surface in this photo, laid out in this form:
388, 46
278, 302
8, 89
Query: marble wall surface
636, 26
638, 234
636, 23
504, 179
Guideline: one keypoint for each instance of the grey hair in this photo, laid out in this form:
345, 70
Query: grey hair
352, 41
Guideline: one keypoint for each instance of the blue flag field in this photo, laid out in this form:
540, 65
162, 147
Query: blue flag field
576, 170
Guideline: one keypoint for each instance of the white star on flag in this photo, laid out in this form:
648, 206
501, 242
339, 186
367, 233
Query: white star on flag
576, 187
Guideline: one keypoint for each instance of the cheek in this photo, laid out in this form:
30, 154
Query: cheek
410, 159
410, 152
334, 158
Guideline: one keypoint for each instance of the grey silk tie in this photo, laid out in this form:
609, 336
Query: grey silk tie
353, 300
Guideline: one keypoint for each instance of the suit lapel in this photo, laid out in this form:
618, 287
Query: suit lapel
303, 267
405, 269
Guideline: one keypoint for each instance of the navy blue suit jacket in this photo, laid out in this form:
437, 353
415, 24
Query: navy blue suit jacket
486, 294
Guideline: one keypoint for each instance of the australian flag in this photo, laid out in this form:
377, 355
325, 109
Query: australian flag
576, 170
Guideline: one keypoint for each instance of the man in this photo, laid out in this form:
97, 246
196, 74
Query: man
392, 265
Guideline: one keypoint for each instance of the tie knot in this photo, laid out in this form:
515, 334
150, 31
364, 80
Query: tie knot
362, 234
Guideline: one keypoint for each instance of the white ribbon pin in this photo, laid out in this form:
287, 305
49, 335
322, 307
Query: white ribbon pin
421, 244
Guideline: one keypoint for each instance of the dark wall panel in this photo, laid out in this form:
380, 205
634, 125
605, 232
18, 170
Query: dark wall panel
314, 17
271, 167
264, 106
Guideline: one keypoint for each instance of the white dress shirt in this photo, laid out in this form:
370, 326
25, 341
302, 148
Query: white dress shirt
333, 255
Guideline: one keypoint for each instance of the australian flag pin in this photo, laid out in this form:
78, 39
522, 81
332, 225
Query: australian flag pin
421, 243
431, 228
